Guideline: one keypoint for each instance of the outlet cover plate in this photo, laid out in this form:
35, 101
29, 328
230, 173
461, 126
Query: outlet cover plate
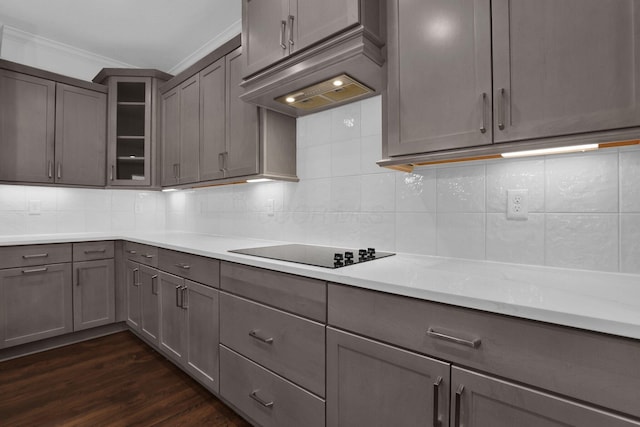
518, 204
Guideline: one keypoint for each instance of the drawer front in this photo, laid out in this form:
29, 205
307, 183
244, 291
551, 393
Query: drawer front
89, 251
193, 267
264, 397
284, 343
568, 361
299, 295
25, 256
144, 254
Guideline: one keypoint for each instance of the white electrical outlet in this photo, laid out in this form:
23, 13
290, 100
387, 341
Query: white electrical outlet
517, 204
35, 207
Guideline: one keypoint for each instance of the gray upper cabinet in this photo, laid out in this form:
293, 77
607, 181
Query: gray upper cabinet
170, 136
480, 400
51, 132
565, 68
275, 29
439, 75
93, 294
373, 384
242, 124
27, 123
213, 120
80, 138
473, 73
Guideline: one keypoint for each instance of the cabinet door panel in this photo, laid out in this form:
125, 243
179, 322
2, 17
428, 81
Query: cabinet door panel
262, 26
202, 333
189, 130
170, 137
81, 133
439, 94
133, 295
212, 120
488, 402
316, 20
242, 124
173, 317
565, 67
36, 303
374, 384
149, 303
27, 123
93, 294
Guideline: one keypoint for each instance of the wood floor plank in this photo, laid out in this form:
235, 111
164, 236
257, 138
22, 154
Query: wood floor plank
115, 380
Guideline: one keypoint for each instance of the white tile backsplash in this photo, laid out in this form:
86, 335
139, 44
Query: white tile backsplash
584, 208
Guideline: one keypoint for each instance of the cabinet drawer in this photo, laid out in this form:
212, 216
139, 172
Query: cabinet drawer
299, 295
569, 361
144, 254
24, 256
90, 251
266, 398
193, 267
284, 343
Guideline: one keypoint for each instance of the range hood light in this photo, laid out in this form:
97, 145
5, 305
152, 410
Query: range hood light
290, 99
338, 83
556, 150
335, 90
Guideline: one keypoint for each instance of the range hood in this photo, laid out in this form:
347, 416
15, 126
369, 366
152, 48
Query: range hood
343, 69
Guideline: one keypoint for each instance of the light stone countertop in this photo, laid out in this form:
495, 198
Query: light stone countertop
592, 300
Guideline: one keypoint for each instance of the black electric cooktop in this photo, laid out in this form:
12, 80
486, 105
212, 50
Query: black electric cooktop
320, 256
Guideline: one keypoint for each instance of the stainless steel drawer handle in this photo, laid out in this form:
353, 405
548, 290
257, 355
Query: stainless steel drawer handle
154, 284
132, 252
458, 404
35, 256
50, 169
283, 29
254, 396
35, 270
148, 256
185, 297
501, 109
178, 296
436, 402
183, 266
95, 251
291, 18
483, 126
254, 334
136, 277
475, 343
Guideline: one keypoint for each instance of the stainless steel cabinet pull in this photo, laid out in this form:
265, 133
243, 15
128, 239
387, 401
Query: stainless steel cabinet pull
132, 252
291, 17
254, 334
35, 256
50, 169
283, 28
175, 171
185, 297
501, 108
59, 170
436, 402
154, 284
112, 174
136, 277
78, 276
458, 399
34, 270
483, 126
147, 256
95, 251
221, 160
475, 343
178, 295
183, 266
254, 396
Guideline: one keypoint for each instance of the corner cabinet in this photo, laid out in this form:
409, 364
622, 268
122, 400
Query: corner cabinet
473, 73
210, 136
133, 126
52, 128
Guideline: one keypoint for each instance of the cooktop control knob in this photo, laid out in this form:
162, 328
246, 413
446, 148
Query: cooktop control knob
337, 257
348, 257
371, 252
362, 253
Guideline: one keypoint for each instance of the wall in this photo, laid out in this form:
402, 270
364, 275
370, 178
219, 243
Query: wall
72, 210
584, 208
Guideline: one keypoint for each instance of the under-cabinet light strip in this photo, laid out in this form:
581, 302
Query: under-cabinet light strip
555, 150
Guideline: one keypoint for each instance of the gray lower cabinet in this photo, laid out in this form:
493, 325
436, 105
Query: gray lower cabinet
480, 400
36, 303
473, 73
142, 300
93, 294
189, 327
374, 384
133, 294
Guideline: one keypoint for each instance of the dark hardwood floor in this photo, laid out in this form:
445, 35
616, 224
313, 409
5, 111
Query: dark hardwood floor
111, 381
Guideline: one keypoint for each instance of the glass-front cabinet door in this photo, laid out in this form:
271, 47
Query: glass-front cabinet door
129, 131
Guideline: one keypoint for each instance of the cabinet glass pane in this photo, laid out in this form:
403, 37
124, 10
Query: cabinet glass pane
130, 157
131, 92
130, 120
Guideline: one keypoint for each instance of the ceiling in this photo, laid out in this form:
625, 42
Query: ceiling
143, 33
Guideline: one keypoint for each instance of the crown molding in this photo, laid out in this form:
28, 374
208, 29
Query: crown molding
226, 35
